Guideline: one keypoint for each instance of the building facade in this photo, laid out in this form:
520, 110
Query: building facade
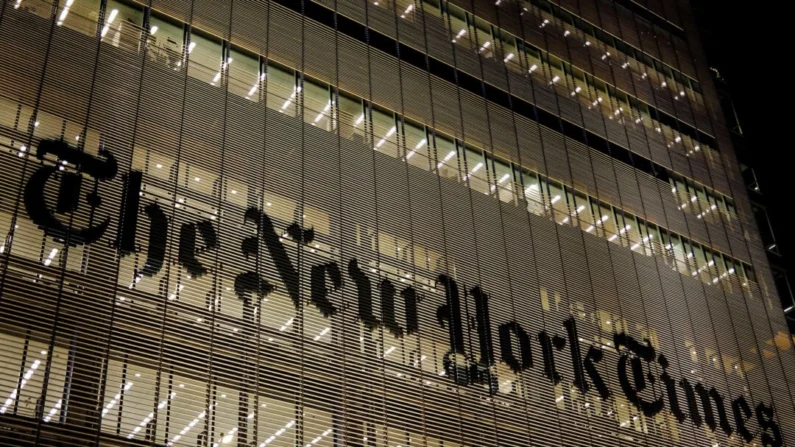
377, 223
760, 202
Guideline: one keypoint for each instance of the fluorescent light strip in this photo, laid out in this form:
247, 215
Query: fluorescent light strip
277, 434
111, 18
28, 374
116, 399
322, 333
226, 439
450, 155
51, 256
151, 415
419, 145
188, 427
54, 410
319, 438
286, 325
65, 12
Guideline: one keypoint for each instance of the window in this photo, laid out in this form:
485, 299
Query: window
557, 201
502, 182
476, 170
533, 193
282, 90
432, 7
204, 59
22, 376
317, 104
384, 131
351, 117
583, 212
447, 157
80, 16
122, 25
416, 145
510, 50
485, 41
245, 75
459, 26
406, 9
534, 63
166, 41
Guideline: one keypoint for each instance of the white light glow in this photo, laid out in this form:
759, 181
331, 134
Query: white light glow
53, 410
322, 333
65, 12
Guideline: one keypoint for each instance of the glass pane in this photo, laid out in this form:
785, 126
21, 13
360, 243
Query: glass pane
407, 9
165, 42
476, 170
485, 41
557, 202
204, 56
281, 90
317, 104
532, 193
609, 225
351, 118
244, 75
502, 182
123, 26
81, 16
447, 157
459, 28
384, 132
416, 146
582, 212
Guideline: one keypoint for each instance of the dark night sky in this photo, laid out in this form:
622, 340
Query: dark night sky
749, 43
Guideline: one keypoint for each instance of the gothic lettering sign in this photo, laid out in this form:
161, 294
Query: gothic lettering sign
521, 348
